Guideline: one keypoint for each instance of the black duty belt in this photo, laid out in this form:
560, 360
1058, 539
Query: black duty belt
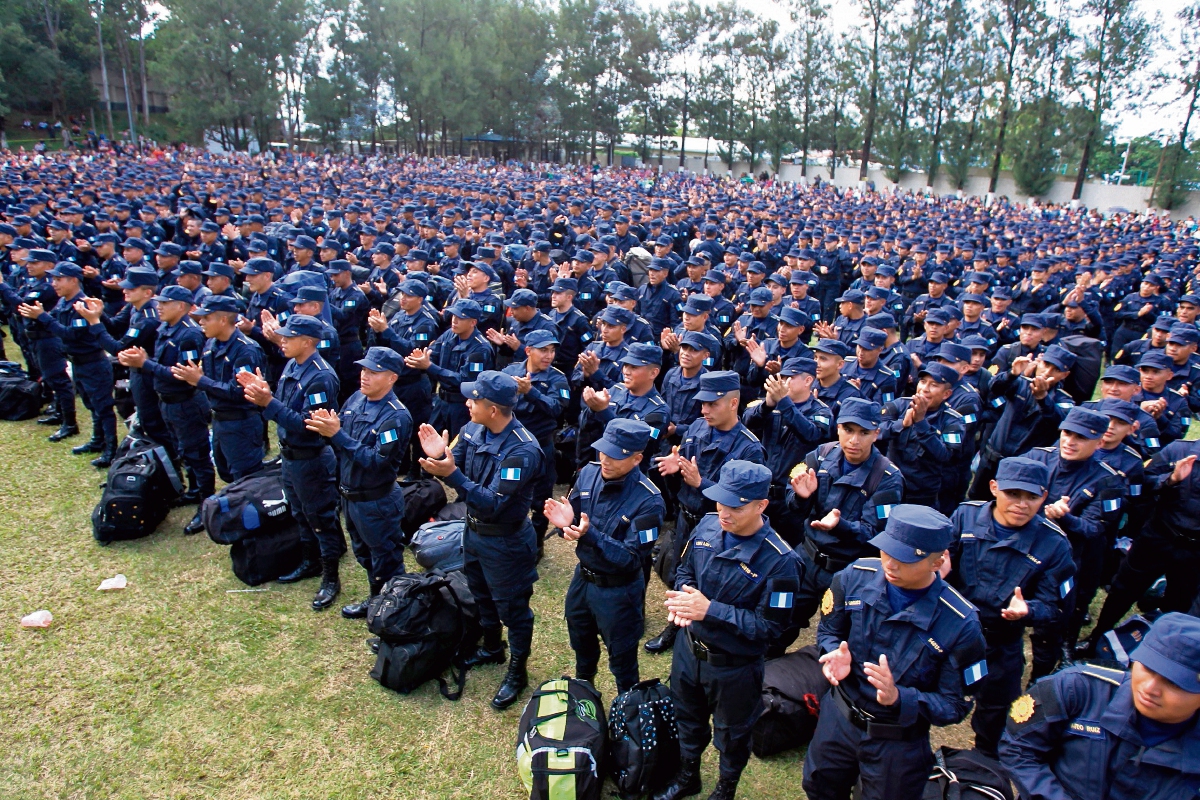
690, 516
703, 652
492, 528
605, 581
299, 453
171, 398
825, 562
230, 414
451, 397
366, 495
876, 730
87, 358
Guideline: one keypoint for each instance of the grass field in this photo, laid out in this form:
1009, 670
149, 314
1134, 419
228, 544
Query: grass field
176, 688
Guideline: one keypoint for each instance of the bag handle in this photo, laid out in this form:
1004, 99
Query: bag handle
161, 454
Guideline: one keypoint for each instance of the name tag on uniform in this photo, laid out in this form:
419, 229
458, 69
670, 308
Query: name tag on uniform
189, 355
1065, 587
317, 398
79, 323
749, 573
510, 474
1111, 505
387, 437
648, 535
975, 673
1087, 728
781, 600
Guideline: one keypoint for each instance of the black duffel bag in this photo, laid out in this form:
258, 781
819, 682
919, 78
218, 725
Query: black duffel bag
20, 398
423, 499
793, 686
264, 557
1089, 363
967, 775
247, 508
139, 491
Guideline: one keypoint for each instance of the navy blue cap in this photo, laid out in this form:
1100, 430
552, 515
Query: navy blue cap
642, 354
757, 267
1002, 293
164, 249
1184, 334
494, 386
466, 309
256, 245
310, 294
976, 342
697, 304
762, 296
303, 325
1032, 321
623, 438
716, 276
622, 291
305, 243
834, 347
615, 315
381, 359
413, 288
188, 267
1121, 409
795, 317
177, 293
1122, 373
882, 320
660, 264
486, 269
1059, 356
337, 266
798, 365
522, 297
219, 268
1153, 279
861, 412
937, 316
938, 277
258, 266
715, 385
139, 276
540, 338
699, 340
140, 244
913, 533
1172, 649
37, 255
1022, 474
971, 297
1154, 359
67, 269
852, 296
953, 352
1086, 422
870, 338
939, 372
740, 482
217, 302
565, 285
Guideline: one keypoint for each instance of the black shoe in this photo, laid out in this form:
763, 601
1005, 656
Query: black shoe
195, 526
53, 418
373, 643
356, 610
94, 446
105, 459
309, 568
1085, 649
490, 652
331, 587
685, 784
726, 789
64, 432
515, 681
663, 642
189, 498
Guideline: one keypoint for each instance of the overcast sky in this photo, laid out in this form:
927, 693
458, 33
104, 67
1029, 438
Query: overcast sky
844, 13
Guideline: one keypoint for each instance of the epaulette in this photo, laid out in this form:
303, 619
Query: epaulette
749, 435
1133, 451
1053, 526
1114, 676
523, 434
957, 603
867, 564
1176, 392
395, 404
780, 546
653, 489
754, 403
556, 369
1110, 468
657, 400
890, 469
1047, 449
953, 412
976, 503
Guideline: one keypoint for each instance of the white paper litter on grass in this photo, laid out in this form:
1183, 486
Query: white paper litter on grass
38, 619
116, 582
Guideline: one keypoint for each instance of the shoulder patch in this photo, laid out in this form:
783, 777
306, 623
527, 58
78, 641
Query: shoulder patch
1022, 709
1053, 526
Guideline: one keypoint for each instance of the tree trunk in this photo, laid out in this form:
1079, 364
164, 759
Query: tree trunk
872, 106
1004, 103
683, 129
142, 74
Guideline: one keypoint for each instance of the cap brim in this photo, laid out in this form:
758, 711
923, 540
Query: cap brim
1009, 486
719, 494
707, 397
896, 548
371, 365
610, 449
870, 425
1185, 679
200, 311
634, 361
1080, 429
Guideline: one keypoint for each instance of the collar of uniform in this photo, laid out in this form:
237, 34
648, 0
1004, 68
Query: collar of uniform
1120, 717
494, 444
857, 476
1021, 541
920, 613
747, 546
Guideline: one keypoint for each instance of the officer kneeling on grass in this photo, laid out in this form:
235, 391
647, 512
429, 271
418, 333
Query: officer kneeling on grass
369, 436
1089, 733
613, 515
901, 649
734, 590
500, 461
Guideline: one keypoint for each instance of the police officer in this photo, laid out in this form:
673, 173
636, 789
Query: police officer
49, 357
717, 437
1016, 567
613, 514
1089, 732
460, 354
92, 371
634, 398
185, 411
681, 383
732, 596
1169, 407
543, 396
843, 491
500, 461
922, 434
790, 422
369, 436
866, 371
310, 470
348, 307
902, 649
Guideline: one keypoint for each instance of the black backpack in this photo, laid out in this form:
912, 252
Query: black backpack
1089, 363
793, 686
423, 499
643, 739
139, 492
262, 558
439, 545
20, 398
967, 775
247, 508
561, 742
425, 624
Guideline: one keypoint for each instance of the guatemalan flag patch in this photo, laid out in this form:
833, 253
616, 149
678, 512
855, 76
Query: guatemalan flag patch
647, 536
975, 673
510, 474
781, 599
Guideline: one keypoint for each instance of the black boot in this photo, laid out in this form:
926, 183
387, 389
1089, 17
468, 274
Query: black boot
726, 789
64, 432
96, 445
685, 784
196, 525
359, 610
331, 587
53, 417
310, 566
515, 681
105, 459
191, 497
490, 652
663, 642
